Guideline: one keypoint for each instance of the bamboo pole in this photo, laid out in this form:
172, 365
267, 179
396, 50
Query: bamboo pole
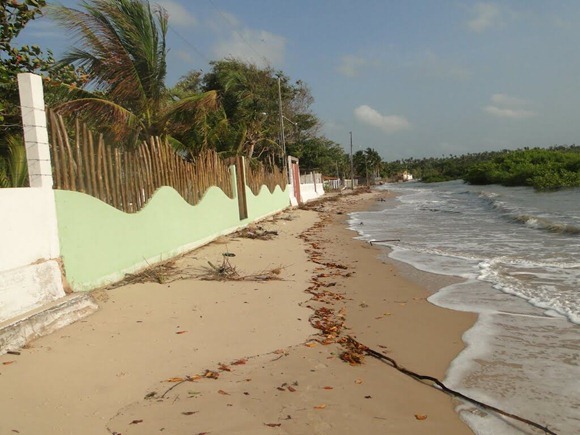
96, 176
71, 170
103, 165
88, 169
78, 157
128, 179
151, 185
119, 180
115, 172
54, 146
100, 167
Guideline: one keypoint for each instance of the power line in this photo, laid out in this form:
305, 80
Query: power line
198, 51
244, 40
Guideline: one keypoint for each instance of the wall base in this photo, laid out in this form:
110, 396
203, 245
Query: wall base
17, 332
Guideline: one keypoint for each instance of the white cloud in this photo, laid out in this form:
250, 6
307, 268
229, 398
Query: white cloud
485, 15
178, 15
350, 65
259, 47
506, 106
387, 123
255, 46
507, 100
509, 113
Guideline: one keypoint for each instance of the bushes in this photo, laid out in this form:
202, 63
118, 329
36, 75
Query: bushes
542, 169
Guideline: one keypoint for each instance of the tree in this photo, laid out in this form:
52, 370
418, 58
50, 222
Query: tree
14, 16
121, 44
320, 154
250, 100
373, 162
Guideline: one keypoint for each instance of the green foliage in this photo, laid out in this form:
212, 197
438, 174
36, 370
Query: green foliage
121, 44
13, 164
251, 110
321, 155
540, 168
14, 16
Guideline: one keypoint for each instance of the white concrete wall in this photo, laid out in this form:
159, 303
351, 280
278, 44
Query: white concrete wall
310, 191
28, 230
29, 271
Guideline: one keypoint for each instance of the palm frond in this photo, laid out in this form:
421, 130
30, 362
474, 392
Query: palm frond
189, 112
120, 124
14, 166
121, 44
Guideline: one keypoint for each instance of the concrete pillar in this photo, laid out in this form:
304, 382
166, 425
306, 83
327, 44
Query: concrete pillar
35, 131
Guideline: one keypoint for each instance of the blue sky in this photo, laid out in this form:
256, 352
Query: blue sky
409, 78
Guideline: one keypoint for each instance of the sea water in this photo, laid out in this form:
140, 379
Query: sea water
518, 252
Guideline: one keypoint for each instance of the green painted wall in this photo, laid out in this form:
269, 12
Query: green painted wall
266, 203
99, 243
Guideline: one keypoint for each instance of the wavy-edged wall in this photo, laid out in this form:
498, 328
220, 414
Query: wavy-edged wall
100, 244
266, 202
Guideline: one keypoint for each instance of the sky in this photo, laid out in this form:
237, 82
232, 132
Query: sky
409, 78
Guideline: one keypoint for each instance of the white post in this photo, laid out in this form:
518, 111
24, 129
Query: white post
35, 132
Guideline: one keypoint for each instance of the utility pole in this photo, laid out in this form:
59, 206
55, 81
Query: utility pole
351, 163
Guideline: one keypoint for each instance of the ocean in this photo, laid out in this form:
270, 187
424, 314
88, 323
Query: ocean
517, 252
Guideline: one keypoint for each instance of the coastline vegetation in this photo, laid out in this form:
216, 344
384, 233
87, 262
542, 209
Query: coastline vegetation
541, 168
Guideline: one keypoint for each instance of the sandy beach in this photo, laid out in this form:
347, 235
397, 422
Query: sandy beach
173, 353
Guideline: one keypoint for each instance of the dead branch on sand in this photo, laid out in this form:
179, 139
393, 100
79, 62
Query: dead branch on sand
257, 232
227, 272
358, 348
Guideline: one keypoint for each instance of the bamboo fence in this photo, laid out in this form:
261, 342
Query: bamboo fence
257, 175
127, 179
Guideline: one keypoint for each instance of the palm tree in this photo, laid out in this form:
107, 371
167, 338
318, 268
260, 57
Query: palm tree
121, 45
13, 163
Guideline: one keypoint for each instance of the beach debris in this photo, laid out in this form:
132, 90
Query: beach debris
358, 381
189, 412
13, 352
136, 422
176, 380
181, 332
329, 323
227, 272
224, 368
437, 384
223, 393
328, 388
420, 417
321, 406
240, 362
273, 424
7, 363
256, 232
210, 374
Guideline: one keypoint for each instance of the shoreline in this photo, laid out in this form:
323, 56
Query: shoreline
193, 356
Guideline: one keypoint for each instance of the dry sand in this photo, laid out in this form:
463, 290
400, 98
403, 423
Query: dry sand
137, 366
